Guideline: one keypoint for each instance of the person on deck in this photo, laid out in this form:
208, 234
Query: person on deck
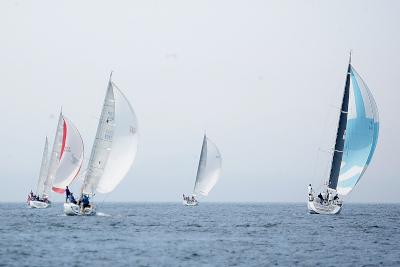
67, 193
184, 197
330, 197
324, 196
321, 198
310, 190
85, 201
72, 199
32, 196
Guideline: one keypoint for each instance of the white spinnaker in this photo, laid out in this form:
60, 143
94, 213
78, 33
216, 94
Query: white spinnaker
71, 157
209, 169
55, 155
43, 170
115, 146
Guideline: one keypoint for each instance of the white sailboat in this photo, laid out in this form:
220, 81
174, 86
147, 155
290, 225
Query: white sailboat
356, 140
208, 172
113, 151
65, 162
40, 192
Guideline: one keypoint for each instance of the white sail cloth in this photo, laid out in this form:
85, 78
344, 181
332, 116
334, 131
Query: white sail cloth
114, 149
40, 190
209, 169
68, 155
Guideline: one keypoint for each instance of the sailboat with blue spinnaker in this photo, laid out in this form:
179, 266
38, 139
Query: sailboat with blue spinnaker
356, 140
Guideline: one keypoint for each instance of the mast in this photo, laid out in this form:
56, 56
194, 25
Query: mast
202, 162
340, 136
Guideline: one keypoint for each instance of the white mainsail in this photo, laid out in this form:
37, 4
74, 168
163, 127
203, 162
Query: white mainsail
55, 155
70, 156
209, 169
115, 145
43, 170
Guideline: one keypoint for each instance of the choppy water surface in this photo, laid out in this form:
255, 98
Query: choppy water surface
134, 234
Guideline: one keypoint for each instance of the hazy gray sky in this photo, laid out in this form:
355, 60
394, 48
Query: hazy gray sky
263, 78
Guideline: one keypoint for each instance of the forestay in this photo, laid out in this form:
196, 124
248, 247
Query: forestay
361, 134
115, 146
209, 169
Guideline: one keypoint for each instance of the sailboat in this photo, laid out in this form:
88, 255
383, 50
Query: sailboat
113, 152
40, 192
65, 162
356, 140
208, 172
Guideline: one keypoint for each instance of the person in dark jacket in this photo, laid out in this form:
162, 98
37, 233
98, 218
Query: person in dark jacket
72, 199
67, 193
85, 201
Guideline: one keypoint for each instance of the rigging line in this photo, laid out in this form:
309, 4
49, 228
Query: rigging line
104, 199
322, 133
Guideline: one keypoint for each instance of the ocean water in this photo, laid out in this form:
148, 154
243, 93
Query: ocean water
211, 234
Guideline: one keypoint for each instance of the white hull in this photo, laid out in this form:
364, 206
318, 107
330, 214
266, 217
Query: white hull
190, 203
71, 209
38, 204
315, 207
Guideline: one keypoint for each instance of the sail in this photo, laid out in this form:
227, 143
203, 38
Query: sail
115, 145
209, 169
70, 156
55, 155
361, 135
43, 170
340, 136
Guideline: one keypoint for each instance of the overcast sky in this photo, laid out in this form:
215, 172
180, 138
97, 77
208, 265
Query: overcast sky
263, 78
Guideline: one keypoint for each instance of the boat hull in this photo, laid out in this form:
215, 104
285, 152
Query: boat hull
190, 203
38, 204
71, 209
314, 207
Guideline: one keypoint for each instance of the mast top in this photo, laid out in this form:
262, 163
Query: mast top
111, 73
350, 56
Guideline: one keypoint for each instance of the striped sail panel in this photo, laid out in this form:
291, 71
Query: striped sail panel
361, 134
209, 169
71, 157
124, 144
43, 170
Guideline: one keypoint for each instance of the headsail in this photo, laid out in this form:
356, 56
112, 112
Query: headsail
70, 156
115, 146
360, 135
209, 169
43, 170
